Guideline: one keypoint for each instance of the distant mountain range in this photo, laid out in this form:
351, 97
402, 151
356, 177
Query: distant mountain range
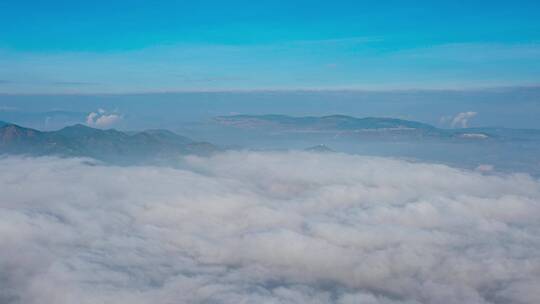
153, 146
107, 145
319, 149
332, 122
49, 120
369, 127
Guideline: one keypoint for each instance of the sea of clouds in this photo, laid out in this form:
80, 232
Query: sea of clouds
266, 227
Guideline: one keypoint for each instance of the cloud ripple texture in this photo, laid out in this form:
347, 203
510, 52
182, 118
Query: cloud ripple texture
266, 227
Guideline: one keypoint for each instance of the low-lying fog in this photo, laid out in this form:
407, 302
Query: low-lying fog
266, 227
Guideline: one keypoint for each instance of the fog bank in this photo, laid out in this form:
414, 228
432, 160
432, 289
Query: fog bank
273, 227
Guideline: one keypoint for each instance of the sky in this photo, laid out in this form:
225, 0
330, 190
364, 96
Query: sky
56, 47
391, 223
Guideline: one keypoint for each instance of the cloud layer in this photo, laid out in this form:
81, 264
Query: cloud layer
248, 227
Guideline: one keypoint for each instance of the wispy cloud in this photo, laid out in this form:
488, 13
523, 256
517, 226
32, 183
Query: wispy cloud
363, 64
74, 83
462, 119
473, 52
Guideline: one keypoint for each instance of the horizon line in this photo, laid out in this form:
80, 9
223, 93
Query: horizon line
288, 90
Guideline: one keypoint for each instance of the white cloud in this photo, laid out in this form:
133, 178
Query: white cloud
101, 119
266, 228
462, 119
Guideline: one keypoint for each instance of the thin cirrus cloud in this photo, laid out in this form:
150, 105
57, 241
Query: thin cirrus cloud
274, 227
354, 63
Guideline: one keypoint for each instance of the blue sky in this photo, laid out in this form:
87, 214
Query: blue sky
156, 46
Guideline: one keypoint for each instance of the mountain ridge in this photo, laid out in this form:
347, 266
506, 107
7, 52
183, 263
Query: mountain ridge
366, 127
337, 120
106, 145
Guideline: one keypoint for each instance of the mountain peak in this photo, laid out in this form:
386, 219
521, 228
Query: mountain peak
84, 130
337, 116
78, 127
108, 145
13, 133
320, 149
